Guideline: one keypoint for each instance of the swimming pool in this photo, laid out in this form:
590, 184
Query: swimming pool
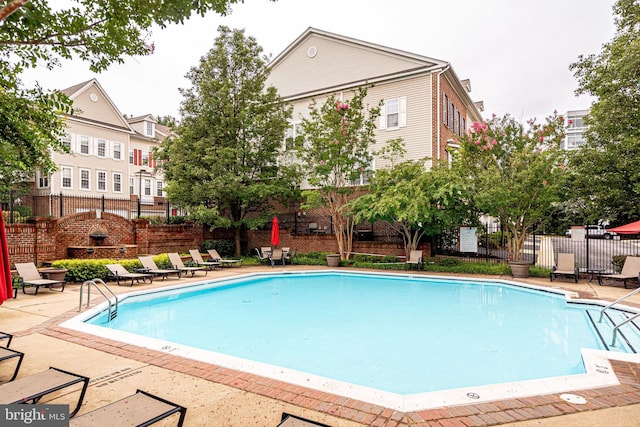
392, 338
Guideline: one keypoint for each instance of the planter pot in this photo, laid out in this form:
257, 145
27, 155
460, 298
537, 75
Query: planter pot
333, 260
519, 269
53, 273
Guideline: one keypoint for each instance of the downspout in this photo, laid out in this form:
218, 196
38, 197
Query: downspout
439, 110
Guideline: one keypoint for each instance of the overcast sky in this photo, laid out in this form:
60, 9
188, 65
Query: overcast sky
515, 52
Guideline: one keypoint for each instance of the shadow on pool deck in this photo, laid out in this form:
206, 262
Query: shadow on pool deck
217, 396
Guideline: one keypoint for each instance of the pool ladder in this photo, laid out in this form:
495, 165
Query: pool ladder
624, 322
103, 289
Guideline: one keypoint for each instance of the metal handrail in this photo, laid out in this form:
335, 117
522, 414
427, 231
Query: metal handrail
635, 291
616, 327
96, 282
615, 330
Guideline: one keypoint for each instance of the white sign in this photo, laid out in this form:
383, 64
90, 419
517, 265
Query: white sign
468, 239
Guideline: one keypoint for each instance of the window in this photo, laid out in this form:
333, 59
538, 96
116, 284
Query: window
445, 105
43, 180
117, 182
131, 157
66, 141
574, 140
101, 181
393, 113
450, 116
117, 151
291, 136
145, 159
131, 186
84, 144
456, 121
102, 148
149, 127
159, 186
85, 182
66, 173
147, 187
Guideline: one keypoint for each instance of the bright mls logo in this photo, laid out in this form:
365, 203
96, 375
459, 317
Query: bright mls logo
34, 415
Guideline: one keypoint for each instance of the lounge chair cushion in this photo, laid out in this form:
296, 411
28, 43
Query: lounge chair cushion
119, 272
29, 275
33, 387
139, 409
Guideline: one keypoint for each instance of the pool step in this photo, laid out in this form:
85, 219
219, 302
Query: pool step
628, 336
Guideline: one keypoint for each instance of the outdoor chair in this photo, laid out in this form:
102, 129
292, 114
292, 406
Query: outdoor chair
566, 267
8, 354
276, 256
29, 275
289, 420
32, 388
215, 256
139, 409
263, 254
415, 258
630, 272
200, 262
118, 272
150, 267
6, 336
177, 263
289, 255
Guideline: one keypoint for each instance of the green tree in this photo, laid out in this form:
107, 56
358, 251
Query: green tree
607, 175
513, 173
414, 201
223, 166
36, 33
336, 152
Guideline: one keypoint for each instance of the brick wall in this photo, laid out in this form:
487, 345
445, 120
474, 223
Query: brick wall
50, 239
304, 243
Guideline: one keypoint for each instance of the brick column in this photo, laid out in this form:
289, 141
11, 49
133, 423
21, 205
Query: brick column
141, 235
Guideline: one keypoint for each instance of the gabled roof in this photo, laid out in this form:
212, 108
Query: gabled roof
77, 92
334, 62
356, 42
143, 118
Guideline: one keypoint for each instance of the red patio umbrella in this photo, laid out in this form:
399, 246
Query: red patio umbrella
275, 232
6, 286
631, 228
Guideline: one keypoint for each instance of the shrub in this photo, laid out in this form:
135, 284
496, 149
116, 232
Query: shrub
224, 247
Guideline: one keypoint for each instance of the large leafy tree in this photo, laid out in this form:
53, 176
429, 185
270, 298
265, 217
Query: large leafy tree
414, 201
41, 33
514, 172
336, 152
223, 166
607, 175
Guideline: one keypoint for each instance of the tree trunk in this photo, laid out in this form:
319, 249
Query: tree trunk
236, 237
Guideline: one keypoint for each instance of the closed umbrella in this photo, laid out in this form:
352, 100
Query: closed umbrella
6, 287
275, 232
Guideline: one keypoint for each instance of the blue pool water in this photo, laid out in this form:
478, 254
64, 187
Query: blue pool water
394, 333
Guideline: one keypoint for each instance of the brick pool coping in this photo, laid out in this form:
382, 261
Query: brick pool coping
472, 415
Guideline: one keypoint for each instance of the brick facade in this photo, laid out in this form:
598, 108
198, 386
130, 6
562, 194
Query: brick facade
70, 237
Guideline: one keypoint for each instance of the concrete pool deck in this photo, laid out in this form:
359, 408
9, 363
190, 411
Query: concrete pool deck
217, 396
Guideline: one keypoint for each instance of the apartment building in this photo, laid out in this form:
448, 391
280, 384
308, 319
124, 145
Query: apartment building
423, 100
110, 155
574, 137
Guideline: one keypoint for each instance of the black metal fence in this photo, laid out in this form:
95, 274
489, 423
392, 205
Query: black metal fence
592, 255
21, 209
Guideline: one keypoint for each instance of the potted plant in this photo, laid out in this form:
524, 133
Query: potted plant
333, 260
514, 174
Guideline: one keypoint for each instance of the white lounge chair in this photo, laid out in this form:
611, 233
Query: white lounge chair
566, 267
29, 275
